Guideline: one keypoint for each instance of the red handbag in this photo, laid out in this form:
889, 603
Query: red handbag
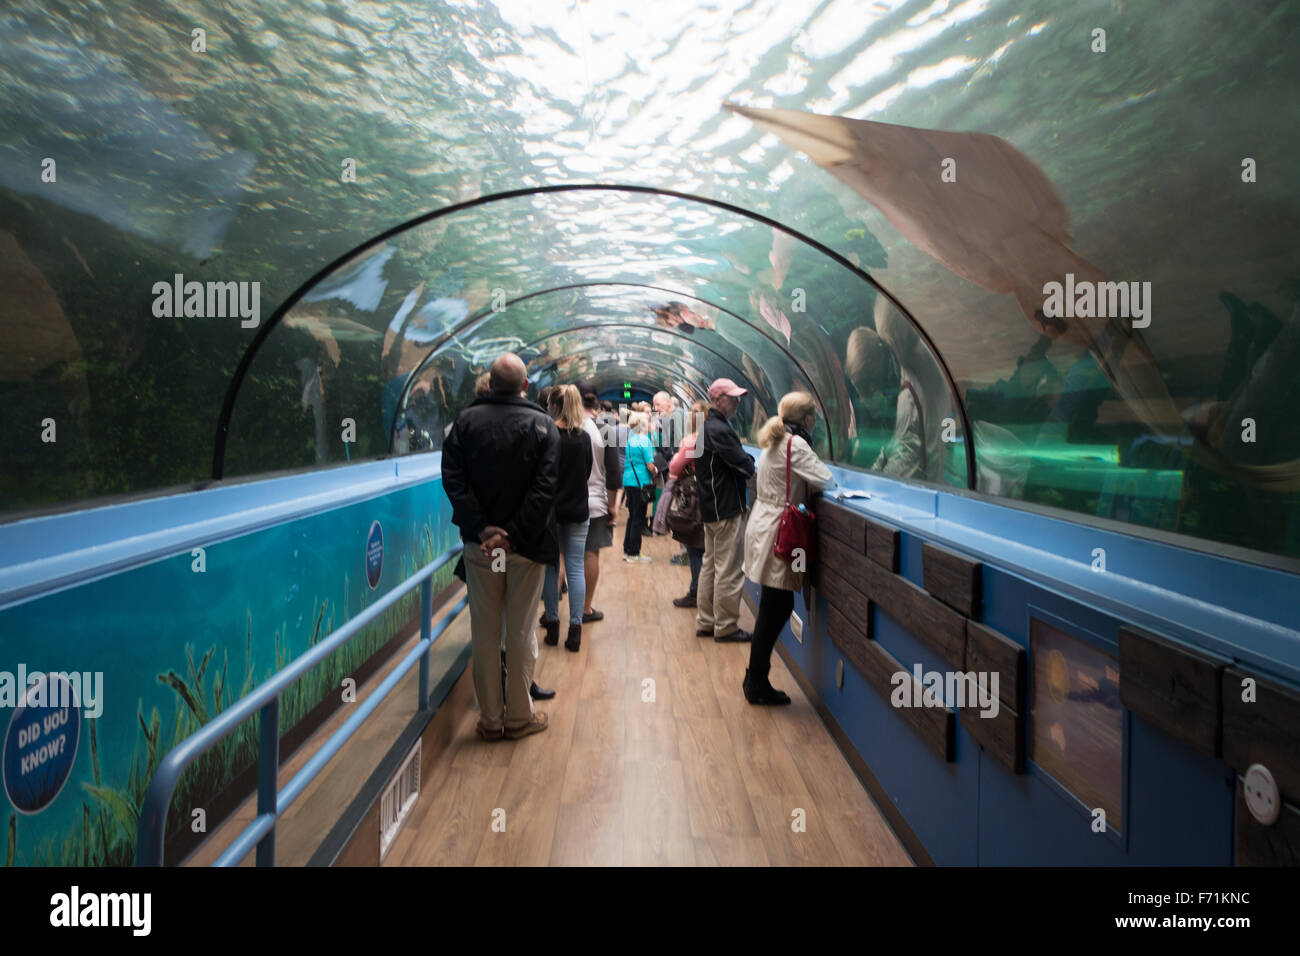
796, 533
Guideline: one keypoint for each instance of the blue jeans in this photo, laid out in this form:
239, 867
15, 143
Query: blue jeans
696, 556
573, 542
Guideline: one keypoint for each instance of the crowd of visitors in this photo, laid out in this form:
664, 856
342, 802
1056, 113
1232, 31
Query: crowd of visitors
535, 490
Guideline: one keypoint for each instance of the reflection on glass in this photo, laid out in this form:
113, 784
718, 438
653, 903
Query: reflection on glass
1076, 719
174, 162
438, 302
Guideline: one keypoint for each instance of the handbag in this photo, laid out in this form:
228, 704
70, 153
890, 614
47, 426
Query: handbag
796, 532
660, 523
684, 516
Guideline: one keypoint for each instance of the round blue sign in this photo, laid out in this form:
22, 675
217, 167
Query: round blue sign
374, 554
41, 744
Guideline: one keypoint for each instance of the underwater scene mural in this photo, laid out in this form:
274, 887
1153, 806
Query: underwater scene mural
167, 648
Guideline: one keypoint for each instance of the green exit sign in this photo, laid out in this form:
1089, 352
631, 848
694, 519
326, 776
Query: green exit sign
627, 389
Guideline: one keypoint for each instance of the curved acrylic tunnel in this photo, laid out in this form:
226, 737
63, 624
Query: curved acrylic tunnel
620, 317
387, 342
577, 280
200, 179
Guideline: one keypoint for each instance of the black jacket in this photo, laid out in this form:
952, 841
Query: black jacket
721, 470
500, 466
575, 468
672, 429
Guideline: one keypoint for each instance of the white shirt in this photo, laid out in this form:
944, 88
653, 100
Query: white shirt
597, 496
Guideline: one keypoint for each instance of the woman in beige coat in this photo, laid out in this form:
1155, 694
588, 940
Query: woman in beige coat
789, 430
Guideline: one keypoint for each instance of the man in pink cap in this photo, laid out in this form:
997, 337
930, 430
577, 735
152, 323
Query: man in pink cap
722, 470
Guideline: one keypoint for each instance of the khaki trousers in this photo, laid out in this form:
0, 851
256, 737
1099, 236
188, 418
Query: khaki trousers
506, 596
717, 597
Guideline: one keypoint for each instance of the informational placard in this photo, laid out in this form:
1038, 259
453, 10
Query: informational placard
1076, 718
41, 744
374, 555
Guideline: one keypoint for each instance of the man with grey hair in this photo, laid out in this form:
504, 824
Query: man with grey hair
500, 467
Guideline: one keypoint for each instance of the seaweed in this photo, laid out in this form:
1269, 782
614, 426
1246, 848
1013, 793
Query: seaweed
106, 834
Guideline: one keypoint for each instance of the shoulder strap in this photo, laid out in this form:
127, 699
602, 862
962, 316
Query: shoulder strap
788, 443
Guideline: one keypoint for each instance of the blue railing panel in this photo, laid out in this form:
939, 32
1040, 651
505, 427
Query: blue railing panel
264, 699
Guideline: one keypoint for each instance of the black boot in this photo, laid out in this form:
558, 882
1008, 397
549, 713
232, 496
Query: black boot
535, 692
552, 632
763, 692
574, 640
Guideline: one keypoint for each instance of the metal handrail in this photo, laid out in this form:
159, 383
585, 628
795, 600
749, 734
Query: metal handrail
272, 802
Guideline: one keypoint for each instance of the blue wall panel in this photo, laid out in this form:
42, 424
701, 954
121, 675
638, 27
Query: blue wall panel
114, 590
1178, 803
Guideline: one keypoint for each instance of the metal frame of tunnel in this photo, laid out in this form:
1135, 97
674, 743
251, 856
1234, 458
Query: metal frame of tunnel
632, 325
659, 366
646, 362
245, 362
474, 322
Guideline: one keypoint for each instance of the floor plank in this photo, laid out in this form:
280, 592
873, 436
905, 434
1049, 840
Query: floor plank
653, 757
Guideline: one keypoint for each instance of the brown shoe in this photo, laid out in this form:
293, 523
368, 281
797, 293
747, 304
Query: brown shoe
534, 726
486, 734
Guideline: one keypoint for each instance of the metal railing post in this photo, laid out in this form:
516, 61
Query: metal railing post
426, 626
264, 702
268, 771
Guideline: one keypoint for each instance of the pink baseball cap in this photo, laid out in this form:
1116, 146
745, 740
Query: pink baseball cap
725, 386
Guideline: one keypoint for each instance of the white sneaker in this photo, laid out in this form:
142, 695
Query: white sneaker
644, 558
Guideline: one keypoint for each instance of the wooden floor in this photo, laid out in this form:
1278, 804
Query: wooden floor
653, 757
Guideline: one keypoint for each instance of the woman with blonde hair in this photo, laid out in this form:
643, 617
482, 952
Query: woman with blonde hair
638, 484
787, 456
572, 514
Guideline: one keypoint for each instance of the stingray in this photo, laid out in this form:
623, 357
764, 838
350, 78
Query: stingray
1003, 226
171, 182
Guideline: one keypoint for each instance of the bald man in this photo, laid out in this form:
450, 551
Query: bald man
500, 466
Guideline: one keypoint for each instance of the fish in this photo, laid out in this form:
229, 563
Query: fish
344, 330
329, 331
438, 317
774, 317
39, 339
359, 281
313, 397
783, 245
1002, 225
77, 252
395, 329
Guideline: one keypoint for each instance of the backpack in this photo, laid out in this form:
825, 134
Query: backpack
684, 510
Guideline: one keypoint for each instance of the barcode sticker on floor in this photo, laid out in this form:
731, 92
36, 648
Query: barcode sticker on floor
398, 799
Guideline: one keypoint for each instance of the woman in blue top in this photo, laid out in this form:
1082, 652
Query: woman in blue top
638, 484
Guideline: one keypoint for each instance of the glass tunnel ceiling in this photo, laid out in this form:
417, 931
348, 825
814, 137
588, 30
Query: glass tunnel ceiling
553, 274
226, 166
